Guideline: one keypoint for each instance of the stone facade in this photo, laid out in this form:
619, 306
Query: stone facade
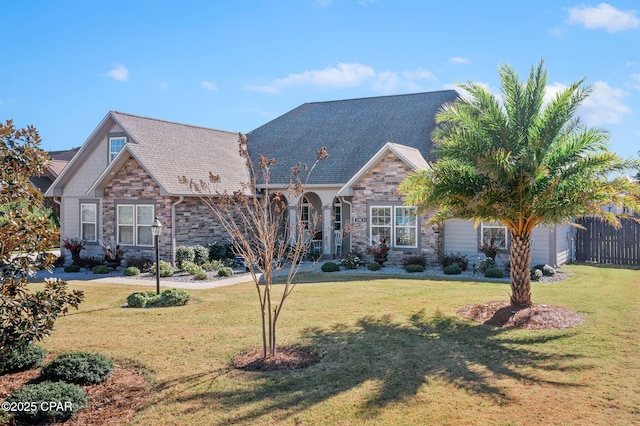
197, 224
379, 187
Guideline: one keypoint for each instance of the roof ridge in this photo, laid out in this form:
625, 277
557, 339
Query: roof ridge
173, 122
380, 97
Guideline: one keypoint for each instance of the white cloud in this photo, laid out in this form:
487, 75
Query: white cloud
119, 73
635, 81
208, 85
604, 16
460, 60
604, 105
387, 82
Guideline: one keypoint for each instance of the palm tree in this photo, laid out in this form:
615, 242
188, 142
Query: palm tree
520, 162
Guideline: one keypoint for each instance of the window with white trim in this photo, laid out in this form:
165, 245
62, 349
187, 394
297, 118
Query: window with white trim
88, 222
304, 212
115, 145
337, 215
397, 225
494, 231
134, 224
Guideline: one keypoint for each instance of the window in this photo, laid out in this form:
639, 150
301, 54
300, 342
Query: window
398, 225
115, 145
337, 215
496, 231
88, 222
134, 224
304, 213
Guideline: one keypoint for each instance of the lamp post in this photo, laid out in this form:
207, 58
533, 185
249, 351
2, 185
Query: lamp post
156, 229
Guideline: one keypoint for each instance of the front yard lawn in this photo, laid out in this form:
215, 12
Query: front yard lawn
393, 351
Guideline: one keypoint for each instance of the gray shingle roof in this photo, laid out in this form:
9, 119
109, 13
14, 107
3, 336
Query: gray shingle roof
353, 131
169, 150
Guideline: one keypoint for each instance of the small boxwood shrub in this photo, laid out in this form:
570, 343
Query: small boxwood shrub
414, 268
200, 254
452, 269
351, 261
330, 267
536, 274
190, 267
415, 259
54, 401
212, 265
373, 266
184, 253
78, 367
100, 269
173, 297
457, 259
166, 270
487, 263
494, 273
547, 270
225, 271
201, 275
131, 271
72, 268
137, 300
22, 358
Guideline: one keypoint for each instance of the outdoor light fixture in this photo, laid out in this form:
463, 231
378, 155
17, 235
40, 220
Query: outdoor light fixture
156, 229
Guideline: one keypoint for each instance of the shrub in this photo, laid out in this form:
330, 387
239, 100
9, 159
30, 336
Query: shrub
547, 270
149, 299
22, 358
78, 367
201, 275
137, 300
330, 267
131, 271
414, 268
190, 267
173, 297
183, 254
220, 250
212, 265
373, 266
536, 274
494, 273
487, 263
59, 262
89, 262
100, 269
314, 255
452, 269
72, 268
53, 401
200, 254
225, 271
351, 261
166, 270
141, 262
455, 259
415, 259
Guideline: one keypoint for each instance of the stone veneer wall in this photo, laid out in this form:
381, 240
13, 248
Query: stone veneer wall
197, 224
380, 184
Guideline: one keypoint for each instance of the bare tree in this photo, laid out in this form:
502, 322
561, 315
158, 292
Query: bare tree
256, 219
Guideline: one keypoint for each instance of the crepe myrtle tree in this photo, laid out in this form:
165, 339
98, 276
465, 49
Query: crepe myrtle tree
520, 161
256, 220
26, 316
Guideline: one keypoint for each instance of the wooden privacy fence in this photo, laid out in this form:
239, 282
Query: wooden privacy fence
602, 243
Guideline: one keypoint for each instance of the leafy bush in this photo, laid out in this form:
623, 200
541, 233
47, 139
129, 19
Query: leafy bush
59, 262
225, 271
131, 271
200, 254
22, 358
184, 253
212, 265
53, 401
173, 297
220, 250
373, 266
487, 263
137, 300
351, 261
452, 269
547, 270
100, 269
536, 274
494, 273
414, 268
89, 262
149, 299
78, 367
415, 259
330, 267
201, 275
166, 270
141, 262
72, 268
455, 259
190, 267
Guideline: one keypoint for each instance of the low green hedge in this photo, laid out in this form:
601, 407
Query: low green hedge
46, 402
22, 358
149, 299
330, 267
78, 367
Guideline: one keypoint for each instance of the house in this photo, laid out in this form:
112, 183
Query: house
373, 143
58, 161
127, 173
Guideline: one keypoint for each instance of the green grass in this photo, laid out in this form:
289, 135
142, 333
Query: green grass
393, 352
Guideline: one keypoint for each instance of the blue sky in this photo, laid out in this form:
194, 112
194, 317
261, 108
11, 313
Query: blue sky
235, 65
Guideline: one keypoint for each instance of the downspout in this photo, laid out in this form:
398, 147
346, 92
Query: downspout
344, 200
58, 201
173, 228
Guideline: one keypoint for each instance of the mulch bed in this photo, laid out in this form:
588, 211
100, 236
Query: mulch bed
112, 402
535, 317
284, 359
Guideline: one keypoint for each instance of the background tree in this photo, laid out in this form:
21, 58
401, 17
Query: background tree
25, 232
261, 232
520, 162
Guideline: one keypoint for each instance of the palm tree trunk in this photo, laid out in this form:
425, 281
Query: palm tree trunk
520, 273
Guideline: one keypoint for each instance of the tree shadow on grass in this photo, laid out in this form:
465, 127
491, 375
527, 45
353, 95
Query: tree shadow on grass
398, 358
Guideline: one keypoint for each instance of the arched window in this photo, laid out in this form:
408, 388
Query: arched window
304, 212
337, 215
